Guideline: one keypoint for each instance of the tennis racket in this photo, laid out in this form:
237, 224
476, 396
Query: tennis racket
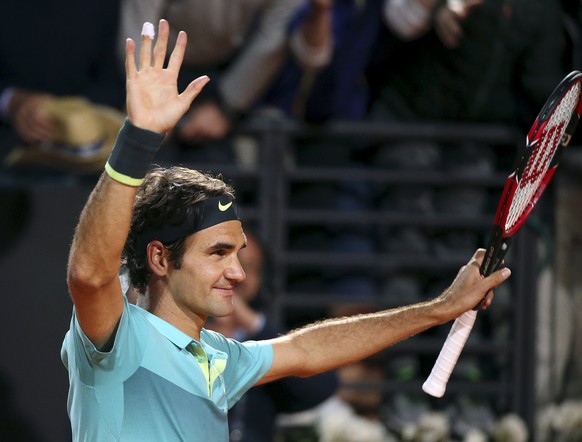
534, 167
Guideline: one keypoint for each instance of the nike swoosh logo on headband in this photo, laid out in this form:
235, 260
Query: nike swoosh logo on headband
224, 207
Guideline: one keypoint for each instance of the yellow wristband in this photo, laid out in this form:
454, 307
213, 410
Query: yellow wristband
132, 154
123, 179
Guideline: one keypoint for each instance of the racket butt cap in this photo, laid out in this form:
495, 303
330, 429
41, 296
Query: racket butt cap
435, 389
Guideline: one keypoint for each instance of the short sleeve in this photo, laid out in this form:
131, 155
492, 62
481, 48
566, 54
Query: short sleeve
80, 354
247, 363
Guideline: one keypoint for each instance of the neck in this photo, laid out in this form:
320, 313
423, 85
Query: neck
164, 307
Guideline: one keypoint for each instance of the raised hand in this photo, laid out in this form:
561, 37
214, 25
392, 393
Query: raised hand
153, 100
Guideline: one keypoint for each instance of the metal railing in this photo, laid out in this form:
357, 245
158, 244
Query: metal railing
273, 176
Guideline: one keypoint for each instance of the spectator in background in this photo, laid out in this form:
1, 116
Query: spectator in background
35, 77
409, 18
559, 364
475, 61
33, 74
253, 419
336, 91
478, 61
240, 45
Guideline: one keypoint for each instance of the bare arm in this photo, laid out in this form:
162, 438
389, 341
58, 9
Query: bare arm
261, 58
153, 104
95, 256
312, 43
337, 342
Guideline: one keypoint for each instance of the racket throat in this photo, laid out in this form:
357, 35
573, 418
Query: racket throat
498, 246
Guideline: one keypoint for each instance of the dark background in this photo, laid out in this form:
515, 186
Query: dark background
37, 310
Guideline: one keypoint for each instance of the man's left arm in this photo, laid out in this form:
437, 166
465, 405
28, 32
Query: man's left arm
337, 342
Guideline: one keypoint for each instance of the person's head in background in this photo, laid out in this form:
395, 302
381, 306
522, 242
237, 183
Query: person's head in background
252, 259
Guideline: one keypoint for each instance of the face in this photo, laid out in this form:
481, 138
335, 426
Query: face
210, 269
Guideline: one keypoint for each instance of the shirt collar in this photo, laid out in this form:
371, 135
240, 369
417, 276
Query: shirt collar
177, 337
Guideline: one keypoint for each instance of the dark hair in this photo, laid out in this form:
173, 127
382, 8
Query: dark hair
165, 197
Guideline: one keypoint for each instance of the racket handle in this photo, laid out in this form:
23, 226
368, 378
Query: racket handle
436, 383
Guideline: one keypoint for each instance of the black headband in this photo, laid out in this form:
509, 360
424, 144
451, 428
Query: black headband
200, 216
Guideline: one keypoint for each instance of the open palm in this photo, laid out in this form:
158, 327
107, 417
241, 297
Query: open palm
153, 99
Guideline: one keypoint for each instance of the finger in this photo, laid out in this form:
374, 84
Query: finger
495, 279
453, 40
43, 125
476, 259
487, 300
479, 255
194, 89
145, 52
455, 31
130, 68
447, 33
33, 132
41, 134
178, 53
161, 44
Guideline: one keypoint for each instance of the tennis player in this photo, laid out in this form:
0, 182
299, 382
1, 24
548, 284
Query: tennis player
151, 371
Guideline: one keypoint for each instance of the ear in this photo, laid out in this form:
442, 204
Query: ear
157, 258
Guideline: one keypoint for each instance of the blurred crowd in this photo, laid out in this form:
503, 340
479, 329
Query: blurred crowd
315, 62
311, 60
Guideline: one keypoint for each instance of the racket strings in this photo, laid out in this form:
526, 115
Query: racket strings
543, 150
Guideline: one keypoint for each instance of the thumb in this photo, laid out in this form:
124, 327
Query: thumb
496, 278
194, 88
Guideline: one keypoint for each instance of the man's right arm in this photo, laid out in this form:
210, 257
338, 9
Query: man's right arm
154, 106
95, 257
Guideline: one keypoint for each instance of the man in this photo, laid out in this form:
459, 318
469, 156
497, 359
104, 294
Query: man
152, 372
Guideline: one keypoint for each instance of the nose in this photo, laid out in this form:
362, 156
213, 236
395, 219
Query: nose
235, 272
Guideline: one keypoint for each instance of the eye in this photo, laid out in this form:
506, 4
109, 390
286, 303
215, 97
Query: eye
221, 249
220, 252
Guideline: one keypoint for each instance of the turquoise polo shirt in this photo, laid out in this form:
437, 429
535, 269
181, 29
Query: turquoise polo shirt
156, 383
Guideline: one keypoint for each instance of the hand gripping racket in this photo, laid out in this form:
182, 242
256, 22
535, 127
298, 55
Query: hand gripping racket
534, 168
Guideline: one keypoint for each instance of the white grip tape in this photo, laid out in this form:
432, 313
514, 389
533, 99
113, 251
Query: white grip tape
436, 383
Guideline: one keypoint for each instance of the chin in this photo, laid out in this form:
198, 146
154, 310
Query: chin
223, 312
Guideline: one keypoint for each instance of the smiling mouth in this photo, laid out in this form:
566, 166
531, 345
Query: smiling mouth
225, 289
